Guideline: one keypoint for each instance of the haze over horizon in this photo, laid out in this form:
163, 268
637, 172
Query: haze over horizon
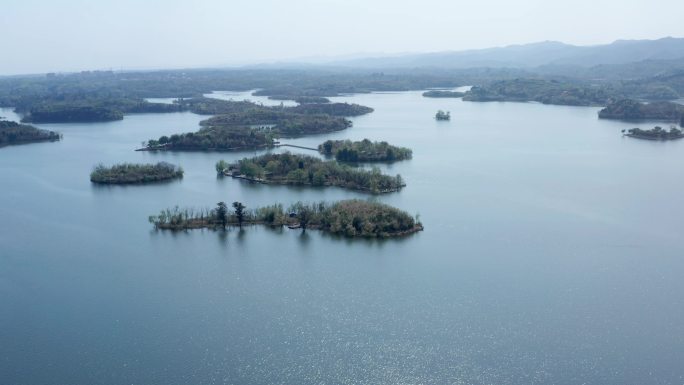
75, 35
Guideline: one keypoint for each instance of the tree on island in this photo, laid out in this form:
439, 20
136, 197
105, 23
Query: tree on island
304, 215
239, 212
221, 212
221, 166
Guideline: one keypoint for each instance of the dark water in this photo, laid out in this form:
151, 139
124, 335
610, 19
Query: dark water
552, 255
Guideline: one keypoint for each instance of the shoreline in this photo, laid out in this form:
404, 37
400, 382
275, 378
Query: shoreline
217, 226
285, 183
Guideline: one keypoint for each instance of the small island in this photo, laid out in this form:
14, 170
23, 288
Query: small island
443, 94
353, 218
304, 170
363, 151
656, 133
15, 133
128, 173
441, 115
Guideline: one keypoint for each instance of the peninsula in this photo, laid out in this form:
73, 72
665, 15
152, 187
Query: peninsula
16, 133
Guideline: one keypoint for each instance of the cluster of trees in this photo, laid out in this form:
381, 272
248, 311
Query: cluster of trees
364, 151
333, 109
189, 218
69, 113
656, 133
280, 122
629, 109
441, 115
443, 94
214, 139
305, 99
210, 106
350, 218
288, 168
15, 133
128, 173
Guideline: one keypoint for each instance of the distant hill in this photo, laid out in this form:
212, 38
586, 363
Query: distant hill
548, 53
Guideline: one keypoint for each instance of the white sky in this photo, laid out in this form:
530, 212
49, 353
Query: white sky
69, 35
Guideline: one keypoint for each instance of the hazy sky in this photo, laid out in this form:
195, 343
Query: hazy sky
68, 35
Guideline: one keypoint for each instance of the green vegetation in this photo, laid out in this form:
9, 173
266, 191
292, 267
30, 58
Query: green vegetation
628, 109
443, 94
210, 106
332, 109
656, 133
441, 115
85, 109
308, 99
15, 133
349, 218
543, 91
128, 173
363, 151
245, 125
239, 212
121, 91
59, 113
295, 169
214, 139
280, 123
107, 88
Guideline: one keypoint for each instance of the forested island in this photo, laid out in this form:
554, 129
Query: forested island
15, 133
656, 133
295, 169
443, 94
627, 109
128, 173
363, 151
349, 218
214, 139
244, 125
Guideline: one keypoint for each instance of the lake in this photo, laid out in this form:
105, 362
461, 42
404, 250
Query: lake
552, 254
